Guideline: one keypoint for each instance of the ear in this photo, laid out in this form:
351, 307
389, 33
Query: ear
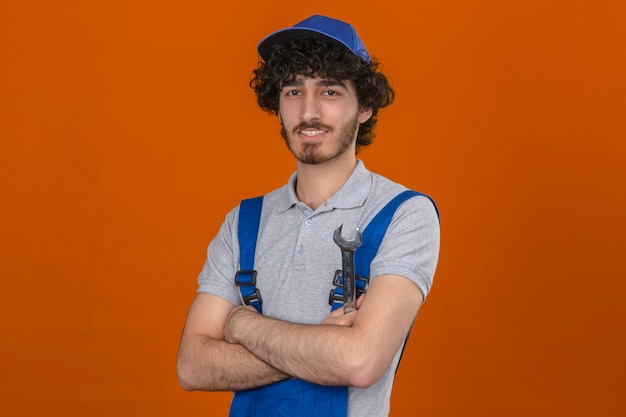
364, 114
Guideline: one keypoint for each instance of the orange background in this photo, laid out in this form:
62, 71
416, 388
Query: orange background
128, 131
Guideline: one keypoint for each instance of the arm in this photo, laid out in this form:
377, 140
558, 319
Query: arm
206, 362
355, 355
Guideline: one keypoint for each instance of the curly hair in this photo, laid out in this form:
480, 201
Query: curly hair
319, 58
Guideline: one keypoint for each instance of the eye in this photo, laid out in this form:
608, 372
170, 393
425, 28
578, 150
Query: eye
292, 93
331, 93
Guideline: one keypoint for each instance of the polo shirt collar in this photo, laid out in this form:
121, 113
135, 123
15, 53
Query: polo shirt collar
353, 193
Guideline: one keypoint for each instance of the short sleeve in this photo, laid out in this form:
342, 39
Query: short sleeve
410, 247
218, 273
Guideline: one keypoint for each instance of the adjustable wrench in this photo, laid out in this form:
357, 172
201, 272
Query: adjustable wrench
347, 260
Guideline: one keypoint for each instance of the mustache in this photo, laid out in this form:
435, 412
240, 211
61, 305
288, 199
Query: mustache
312, 125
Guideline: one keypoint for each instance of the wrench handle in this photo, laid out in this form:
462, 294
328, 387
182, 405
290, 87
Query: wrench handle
349, 291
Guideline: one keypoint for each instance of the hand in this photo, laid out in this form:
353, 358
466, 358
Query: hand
338, 318
236, 316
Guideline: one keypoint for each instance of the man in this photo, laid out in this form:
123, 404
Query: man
297, 358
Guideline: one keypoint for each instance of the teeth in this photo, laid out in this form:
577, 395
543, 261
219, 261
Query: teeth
311, 132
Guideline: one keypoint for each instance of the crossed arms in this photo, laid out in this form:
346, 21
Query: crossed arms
224, 347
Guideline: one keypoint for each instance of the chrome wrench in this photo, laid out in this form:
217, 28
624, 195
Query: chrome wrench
347, 260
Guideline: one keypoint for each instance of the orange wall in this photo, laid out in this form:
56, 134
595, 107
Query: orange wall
128, 130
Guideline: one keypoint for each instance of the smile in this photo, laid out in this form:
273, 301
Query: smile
311, 132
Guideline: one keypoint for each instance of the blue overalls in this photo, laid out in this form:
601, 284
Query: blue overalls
294, 397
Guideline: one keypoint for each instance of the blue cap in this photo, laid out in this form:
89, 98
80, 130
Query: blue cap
317, 27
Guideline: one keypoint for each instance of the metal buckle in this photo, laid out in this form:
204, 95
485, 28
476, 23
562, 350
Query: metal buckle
334, 297
337, 278
255, 296
362, 283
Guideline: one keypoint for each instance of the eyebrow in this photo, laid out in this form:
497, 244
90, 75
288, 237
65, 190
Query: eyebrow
332, 83
320, 83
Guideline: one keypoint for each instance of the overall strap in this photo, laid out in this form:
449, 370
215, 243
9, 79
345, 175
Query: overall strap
372, 237
248, 231
375, 232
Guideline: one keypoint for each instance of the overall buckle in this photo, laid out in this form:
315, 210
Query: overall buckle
246, 278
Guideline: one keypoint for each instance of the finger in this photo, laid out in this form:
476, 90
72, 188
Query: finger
359, 301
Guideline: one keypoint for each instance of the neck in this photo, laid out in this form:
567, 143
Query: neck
317, 183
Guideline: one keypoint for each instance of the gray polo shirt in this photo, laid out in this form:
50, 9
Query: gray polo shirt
296, 257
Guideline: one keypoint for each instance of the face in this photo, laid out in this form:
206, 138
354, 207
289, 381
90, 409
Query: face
320, 118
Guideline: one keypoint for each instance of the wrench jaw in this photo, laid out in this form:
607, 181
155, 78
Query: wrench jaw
347, 259
347, 244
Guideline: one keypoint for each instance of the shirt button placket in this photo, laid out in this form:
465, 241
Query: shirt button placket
299, 250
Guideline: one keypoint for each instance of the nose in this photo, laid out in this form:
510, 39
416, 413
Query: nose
310, 110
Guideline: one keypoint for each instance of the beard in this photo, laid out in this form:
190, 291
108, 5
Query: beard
310, 153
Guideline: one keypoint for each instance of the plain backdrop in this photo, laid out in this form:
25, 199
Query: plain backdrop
128, 130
